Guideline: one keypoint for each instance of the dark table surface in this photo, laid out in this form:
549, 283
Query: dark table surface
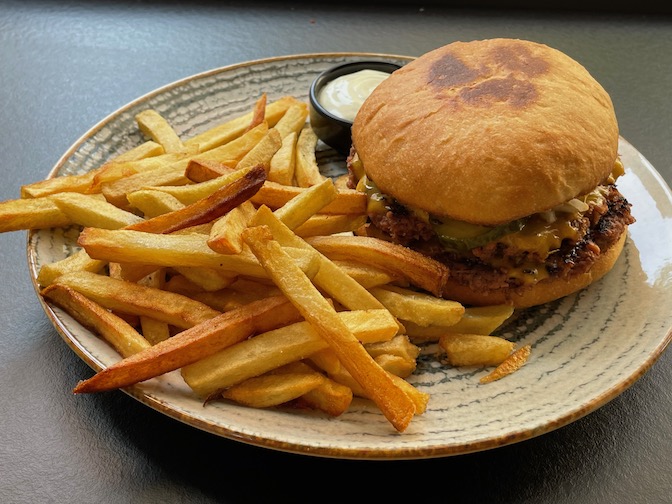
66, 65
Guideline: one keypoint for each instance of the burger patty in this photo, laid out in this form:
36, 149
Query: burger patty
599, 228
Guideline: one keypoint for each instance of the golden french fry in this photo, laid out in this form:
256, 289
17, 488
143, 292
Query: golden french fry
207, 279
476, 320
209, 208
281, 168
262, 152
91, 211
157, 128
324, 224
225, 235
272, 389
230, 130
300, 208
419, 269
306, 169
116, 169
511, 364
338, 284
232, 152
146, 249
115, 192
154, 330
292, 121
365, 275
194, 344
475, 349
112, 328
202, 170
275, 195
330, 397
392, 401
79, 261
152, 202
278, 347
31, 213
258, 112
134, 299
418, 307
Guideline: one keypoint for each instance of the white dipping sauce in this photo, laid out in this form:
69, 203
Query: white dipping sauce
344, 95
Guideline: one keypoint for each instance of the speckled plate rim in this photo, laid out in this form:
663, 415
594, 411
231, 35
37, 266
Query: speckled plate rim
331, 451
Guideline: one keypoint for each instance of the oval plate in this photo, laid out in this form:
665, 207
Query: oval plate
586, 348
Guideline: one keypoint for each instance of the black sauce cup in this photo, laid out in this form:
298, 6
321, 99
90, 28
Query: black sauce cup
333, 130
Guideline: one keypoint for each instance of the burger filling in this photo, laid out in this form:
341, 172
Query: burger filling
560, 242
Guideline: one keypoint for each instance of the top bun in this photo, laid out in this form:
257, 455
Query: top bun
487, 131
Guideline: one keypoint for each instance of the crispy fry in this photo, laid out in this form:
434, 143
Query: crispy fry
115, 192
279, 347
31, 213
306, 169
272, 389
419, 269
393, 402
324, 224
281, 168
476, 320
275, 195
79, 261
202, 170
262, 152
511, 364
157, 128
152, 202
293, 121
89, 210
225, 235
194, 344
304, 205
113, 329
209, 208
207, 279
228, 131
475, 349
134, 299
418, 307
258, 112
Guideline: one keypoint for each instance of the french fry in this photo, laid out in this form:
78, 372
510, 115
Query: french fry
272, 389
338, 284
209, 208
193, 344
228, 131
293, 121
91, 211
365, 275
115, 192
79, 261
202, 170
275, 195
306, 169
324, 224
419, 269
262, 152
418, 307
232, 152
170, 250
392, 401
157, 128
112, 328
300, 208
511, 364
281, 168
208, 279
476, 320
31, 213
134, 299
272, 349
258, 112
475, 349
225, 235
152, 202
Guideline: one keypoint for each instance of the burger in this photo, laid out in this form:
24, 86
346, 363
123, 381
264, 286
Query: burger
498, 158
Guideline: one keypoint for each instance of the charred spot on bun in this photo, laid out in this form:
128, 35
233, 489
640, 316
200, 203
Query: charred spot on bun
498, 158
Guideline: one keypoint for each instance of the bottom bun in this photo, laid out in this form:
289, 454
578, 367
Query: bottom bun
542, 292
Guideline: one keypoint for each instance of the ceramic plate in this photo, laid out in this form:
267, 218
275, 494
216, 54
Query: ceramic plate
586, 348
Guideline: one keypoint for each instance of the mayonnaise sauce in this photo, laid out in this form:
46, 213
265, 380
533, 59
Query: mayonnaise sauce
344, 95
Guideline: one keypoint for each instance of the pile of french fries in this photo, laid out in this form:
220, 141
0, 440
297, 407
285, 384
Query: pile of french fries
230, 257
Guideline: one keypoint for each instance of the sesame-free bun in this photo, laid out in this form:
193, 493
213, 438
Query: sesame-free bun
487, 131
546, 290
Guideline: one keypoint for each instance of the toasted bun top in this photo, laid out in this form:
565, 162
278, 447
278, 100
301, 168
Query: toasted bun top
487, 131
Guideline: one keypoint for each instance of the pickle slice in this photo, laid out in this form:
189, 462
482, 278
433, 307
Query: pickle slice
461, 236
